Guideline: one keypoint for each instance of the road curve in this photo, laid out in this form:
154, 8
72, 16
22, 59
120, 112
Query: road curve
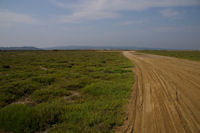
165, 97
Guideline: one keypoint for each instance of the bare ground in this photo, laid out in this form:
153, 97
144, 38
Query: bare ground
165, 97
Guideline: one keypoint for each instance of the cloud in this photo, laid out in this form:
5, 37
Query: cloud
131, 22
60, 4
87, 10
116, 5
77, 17
101, 9
168, 13
7, 17
167, 29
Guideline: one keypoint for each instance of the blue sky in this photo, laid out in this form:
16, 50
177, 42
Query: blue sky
140, 23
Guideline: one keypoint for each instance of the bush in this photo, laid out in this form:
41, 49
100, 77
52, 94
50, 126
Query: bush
101, 76
6, 66
14, 90
26, 119
18, 119
96, 89
78, 83
43, 95
44, 80
49, 114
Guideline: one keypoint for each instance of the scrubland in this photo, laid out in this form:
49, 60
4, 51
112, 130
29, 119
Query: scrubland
190, 55
63, 91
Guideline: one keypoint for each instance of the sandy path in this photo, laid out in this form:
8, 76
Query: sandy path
165, 97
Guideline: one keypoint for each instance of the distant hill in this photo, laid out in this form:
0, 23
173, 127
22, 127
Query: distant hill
19, 48
85, 47
96, 48
122, 47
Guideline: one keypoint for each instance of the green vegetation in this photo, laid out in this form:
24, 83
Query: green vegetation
191, 55
63, 91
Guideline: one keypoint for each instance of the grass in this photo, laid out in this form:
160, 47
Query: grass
190, 55
70, 91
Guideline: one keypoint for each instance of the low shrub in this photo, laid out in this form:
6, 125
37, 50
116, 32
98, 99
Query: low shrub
15, 90
49, 114
99, 88
190, 55
20, 118
78, 83
46, 94
44, 80
6, 66
99, 82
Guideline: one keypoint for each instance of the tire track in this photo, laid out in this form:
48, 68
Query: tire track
165, 97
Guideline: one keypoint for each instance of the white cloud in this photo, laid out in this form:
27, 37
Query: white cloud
131, 22
7, 17
60, 4
77, 17
168, 13
87, 10
100, 9
116, 5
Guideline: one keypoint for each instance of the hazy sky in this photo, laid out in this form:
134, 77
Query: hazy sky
141, 23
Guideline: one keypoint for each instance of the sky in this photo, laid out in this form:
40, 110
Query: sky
173, 24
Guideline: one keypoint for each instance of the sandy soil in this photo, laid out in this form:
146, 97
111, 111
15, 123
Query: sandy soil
165, 97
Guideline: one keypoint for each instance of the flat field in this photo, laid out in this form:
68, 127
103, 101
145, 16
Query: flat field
63, 91
191, 55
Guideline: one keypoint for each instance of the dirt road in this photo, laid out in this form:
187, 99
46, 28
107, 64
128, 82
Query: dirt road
165, 97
